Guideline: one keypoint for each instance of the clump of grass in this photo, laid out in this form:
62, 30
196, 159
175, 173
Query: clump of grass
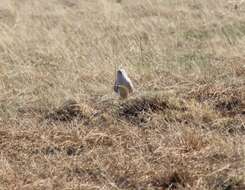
70, 110
227, 100
140, 109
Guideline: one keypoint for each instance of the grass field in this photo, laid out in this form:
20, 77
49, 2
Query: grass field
63, 127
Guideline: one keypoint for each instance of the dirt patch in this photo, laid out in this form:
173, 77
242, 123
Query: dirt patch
229, 101
70, 110
139, 110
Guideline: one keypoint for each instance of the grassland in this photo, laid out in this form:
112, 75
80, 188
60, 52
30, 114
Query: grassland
183, 128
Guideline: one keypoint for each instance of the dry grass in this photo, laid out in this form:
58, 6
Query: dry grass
61, 125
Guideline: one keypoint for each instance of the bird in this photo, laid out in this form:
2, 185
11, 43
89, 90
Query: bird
123, 85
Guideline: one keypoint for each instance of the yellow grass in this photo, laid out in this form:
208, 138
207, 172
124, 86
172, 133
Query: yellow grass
63, 127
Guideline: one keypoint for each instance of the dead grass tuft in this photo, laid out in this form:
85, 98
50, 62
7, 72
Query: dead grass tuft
228, 101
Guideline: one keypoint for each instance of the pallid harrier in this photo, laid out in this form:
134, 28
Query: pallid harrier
123, 85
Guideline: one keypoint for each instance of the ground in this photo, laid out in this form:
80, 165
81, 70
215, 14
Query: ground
63, 127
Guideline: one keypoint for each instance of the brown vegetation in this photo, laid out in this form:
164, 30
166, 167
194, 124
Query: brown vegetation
63, 127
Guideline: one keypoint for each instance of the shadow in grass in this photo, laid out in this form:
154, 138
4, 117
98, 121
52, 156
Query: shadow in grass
173, 181
224, 183
72, 150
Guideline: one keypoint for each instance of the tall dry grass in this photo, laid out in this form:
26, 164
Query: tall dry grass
182, 129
